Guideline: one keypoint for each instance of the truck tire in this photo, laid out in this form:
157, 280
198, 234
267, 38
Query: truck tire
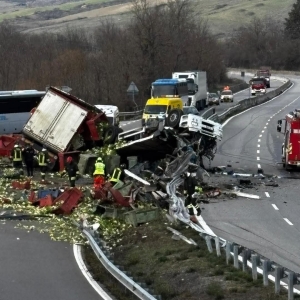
110, 134
174, 117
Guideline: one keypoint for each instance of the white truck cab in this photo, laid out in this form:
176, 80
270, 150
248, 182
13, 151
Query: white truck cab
111, 112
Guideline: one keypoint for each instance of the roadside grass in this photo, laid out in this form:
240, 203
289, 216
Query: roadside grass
176, 270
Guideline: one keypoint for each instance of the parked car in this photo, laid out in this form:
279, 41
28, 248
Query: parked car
190, 110
213, 98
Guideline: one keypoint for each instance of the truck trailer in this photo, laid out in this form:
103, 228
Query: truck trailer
65, 124
197, 87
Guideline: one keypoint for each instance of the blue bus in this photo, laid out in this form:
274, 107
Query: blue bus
169, 88
15, 108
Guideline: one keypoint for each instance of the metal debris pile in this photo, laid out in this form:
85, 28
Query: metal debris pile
158, 159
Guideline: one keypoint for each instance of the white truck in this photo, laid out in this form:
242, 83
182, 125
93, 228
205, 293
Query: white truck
197, 87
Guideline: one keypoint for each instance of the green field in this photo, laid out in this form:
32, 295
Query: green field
223, 17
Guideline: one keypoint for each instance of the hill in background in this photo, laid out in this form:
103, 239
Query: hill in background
224, 17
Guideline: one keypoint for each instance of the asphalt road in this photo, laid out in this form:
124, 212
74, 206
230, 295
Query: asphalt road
271, 225
34, 267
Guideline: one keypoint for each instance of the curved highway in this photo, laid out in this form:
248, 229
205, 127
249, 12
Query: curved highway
34, 267
219, 109
271, 225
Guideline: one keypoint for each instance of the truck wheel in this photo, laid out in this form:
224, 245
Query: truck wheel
110, 134
174, 117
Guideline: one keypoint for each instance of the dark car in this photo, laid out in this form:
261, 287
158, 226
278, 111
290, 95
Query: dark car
213, 98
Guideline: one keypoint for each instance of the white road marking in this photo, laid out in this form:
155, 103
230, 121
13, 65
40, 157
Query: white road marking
288, 221
267, 124
275, 207
258, 158
265, 127
259, 166
258, 151
260, 135
269, 120
262, 131
87, 274
258, 140
267, 194
258, 145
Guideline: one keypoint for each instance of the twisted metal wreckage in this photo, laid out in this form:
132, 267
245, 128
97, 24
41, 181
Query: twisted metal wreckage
168, 154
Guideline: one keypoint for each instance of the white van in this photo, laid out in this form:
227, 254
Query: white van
111, 112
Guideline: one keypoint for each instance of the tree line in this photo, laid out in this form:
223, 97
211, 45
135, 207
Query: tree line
99, 64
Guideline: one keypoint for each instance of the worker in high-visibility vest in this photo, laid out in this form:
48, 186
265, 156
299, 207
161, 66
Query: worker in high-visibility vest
43, 162
16, 155
99, 172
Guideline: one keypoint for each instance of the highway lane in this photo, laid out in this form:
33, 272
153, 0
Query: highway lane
270, 225
34, 267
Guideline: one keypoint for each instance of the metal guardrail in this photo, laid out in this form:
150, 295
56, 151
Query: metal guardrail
130, 115
127, 281
244, 257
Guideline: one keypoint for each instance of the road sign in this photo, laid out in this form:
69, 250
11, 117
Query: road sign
132, 89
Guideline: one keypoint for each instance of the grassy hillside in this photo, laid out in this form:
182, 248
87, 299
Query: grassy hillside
224, 16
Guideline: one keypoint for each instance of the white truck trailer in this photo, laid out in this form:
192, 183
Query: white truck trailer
197, 87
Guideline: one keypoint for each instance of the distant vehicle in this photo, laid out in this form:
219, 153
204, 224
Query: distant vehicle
258, 85
213, 98
187, 110
266, 73
226, 96
162, 88
16, 107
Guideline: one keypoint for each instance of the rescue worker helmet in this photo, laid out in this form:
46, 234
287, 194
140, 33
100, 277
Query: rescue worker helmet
123, 166
69, 159
16, 146
99, 159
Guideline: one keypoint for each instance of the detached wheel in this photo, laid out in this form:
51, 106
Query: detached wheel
174, 116
110, 134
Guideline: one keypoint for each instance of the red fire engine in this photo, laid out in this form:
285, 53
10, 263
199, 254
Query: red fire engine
291, 145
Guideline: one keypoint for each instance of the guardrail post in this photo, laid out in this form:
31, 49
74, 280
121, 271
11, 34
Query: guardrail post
278, 276
218, 249
254, 266
265, 271
291, 279
228, 252
236, 256
245, 259
208, 243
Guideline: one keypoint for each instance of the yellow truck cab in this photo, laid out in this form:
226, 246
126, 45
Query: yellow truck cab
156, 107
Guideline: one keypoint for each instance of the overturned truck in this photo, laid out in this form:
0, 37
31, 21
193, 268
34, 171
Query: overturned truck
66, 125
155, 140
